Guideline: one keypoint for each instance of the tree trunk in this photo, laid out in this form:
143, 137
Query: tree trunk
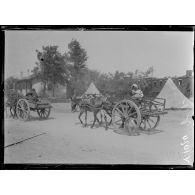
53, 90
53, 85
75, 91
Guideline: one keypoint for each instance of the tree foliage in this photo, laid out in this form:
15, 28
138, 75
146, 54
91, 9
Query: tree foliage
70, 68
76, 57
118, 84
51, 66
10, 84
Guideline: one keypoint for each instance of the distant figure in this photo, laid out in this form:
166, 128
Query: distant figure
74, 103
137, 93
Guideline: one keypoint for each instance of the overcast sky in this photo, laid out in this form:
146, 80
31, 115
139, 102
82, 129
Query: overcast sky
170, 53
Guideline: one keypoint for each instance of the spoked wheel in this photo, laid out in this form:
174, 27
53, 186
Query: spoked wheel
150, 122
125, 111
44, 113
23, 109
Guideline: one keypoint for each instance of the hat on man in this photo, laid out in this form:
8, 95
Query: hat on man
135, 86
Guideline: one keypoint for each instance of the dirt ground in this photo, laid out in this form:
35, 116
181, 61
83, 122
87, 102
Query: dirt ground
64, 140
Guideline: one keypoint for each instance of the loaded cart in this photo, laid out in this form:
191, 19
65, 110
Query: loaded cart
144, 112
20, 106
24, 107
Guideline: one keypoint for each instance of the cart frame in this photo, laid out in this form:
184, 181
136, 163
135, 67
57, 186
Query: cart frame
20, 106
144, 112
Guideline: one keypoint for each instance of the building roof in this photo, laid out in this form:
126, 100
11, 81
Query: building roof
25, 78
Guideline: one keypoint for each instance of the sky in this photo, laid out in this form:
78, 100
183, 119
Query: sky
170, 53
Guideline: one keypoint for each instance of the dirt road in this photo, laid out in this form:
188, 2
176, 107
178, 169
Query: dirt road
66, 141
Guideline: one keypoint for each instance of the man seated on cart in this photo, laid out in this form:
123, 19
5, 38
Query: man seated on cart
32, 95
136, 92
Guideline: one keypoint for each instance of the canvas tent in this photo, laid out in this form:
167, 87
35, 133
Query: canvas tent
192, 99
92, 90
174, 97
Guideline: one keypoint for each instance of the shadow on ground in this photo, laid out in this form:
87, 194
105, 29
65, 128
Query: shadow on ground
89, 125
138, 132
32, 118
122, 131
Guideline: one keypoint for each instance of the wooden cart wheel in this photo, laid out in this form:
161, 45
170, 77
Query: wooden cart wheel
150, 122
23, 109
123, 112
44, 113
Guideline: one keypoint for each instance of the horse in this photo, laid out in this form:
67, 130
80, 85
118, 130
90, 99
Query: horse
6, 105
11, 102
107, 108
12, 109
92, 105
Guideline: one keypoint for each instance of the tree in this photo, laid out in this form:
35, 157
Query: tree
51, 67
149, 72
10, 84
140, 74
130, 75
77, 56
94, 75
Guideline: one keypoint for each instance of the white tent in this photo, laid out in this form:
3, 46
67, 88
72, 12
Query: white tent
92, 90
191, 99
174, 97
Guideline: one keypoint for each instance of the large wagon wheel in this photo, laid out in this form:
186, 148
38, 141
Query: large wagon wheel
150, 121
123, 112
23, 109
44, 113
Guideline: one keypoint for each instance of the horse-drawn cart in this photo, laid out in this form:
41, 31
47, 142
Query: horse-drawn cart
20, 106
24, 107
145, 113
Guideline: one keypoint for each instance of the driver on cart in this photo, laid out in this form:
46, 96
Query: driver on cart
137, 93
32, 95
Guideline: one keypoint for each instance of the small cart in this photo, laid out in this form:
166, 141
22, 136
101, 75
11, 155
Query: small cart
144, 112
20, 106
24, 106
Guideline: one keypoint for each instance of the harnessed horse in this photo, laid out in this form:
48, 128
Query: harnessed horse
11, 101
94, 105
